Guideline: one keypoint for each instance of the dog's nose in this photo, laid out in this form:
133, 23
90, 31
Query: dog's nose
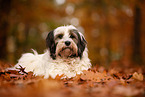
67, 43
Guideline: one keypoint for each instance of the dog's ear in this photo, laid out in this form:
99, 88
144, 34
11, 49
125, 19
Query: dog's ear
81, 45
50, 43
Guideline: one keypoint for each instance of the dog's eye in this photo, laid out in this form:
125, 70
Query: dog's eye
60, 36
72, 36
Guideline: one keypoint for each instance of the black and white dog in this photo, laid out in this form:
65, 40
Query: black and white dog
66, 55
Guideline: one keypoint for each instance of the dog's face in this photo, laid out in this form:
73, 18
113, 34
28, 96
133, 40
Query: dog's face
65, 41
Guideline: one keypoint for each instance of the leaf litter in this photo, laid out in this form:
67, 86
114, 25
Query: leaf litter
98, 81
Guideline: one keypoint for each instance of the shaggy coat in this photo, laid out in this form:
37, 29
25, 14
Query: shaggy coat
66, 55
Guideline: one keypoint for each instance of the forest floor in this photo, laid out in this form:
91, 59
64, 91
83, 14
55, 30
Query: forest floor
115, 81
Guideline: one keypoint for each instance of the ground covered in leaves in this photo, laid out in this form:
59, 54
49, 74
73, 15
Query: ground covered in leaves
98, 81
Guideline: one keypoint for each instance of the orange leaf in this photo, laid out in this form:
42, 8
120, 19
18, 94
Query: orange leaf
138, 76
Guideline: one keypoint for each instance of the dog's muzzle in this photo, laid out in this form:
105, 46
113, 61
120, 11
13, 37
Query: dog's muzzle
67, 49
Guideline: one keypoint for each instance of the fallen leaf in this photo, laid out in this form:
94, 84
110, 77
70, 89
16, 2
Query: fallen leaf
138, 76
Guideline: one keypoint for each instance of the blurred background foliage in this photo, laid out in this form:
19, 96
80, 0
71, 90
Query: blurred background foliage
114, 29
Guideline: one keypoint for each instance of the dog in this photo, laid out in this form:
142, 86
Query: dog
66, 55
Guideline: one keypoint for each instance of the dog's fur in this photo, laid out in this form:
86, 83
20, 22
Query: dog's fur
66, 55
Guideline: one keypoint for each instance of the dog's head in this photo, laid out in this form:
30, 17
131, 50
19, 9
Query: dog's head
65, 41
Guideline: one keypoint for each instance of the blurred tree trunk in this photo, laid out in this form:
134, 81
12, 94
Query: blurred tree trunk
137, 36
4, 25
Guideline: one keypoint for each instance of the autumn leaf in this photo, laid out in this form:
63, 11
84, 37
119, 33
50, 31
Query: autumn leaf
95, 76
95, 82
138, 76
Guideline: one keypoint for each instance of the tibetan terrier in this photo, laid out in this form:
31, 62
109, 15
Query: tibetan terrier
66, 55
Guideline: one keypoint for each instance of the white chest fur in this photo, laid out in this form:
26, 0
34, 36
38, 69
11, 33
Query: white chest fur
43, 65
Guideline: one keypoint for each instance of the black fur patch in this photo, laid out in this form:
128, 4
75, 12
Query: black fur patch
81, 43
50, 43
81, 46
